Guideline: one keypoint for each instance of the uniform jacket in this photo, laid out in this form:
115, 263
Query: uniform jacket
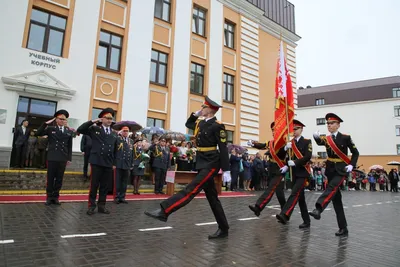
344, 143
104, 146
305, 148
137, 156
20, 138
124, 156
161, 158
274, 168
59, 142
211, 133
86, 143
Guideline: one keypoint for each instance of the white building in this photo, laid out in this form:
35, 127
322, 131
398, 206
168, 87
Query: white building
371, 113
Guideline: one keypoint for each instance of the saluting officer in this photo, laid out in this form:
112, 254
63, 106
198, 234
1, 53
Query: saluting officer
338, 167
301, 152
212, 154
276, 171
102, 158
124, 161
58, 155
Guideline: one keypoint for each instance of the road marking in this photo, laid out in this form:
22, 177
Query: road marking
317, 193
345, 207
396, 201
248, 219
207, 223
378, 203
355, 206
328, 209
389, 202
273, 216
83, 235
369, 204
155, 229
9, 241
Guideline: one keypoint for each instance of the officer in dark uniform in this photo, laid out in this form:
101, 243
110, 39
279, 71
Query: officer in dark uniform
276, 173
102, 158
124, 161
138, 169
209, 134
58, 155
338, 167
86, 146
301, 152
160, 164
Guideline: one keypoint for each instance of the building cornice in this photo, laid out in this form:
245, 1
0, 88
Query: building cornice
257, 15
351, 103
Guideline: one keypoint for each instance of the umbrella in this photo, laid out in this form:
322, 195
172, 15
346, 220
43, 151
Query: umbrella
133, 126
375, 167
153, 130
238, 148
177, 136
396, 163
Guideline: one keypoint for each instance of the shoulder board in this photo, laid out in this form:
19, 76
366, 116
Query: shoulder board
219, 122
306, 139
199, 119
345, 134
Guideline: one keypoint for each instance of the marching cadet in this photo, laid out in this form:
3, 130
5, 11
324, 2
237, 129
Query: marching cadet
212, 154
160, 163
102, 158
338, 166
301, 152
58, 155
276, 171
124, 160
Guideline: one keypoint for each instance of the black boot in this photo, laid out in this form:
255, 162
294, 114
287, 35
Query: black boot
342, 232
91, 211
255, 209
158, 214
56, 202
102, 209
304, 225
316, 213
219, 234
282, 218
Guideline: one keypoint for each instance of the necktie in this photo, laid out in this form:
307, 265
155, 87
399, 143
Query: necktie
333, 136
61, 129
107, 131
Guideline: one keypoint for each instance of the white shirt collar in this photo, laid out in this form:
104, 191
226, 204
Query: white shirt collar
209, 118
334, 134
298, 138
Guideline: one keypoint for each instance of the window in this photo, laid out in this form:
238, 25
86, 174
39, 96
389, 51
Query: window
229, 137
197, 79
158, 70
152, 122
320, 101
228, 87
396, 92
322, 155
398, 149
229, 35
96, 112
109, 54
397, 130
321, 121
36, 111
199, 21
397, 111
46, 32
162, 9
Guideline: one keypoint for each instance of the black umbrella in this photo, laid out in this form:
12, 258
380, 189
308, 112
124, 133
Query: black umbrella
133, 126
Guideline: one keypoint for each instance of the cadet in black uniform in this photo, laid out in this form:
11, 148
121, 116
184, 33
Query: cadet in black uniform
301, 152
275, 175
102, 158
58, 155
160, 164
209, 134
138, 169
338, 167
124, 160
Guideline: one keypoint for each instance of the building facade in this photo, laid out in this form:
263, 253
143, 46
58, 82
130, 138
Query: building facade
371, 113
152, 61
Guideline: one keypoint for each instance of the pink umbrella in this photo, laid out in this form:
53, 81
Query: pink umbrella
375, 167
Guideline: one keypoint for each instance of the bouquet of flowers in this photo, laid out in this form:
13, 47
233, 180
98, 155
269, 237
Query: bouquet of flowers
145, 158
190, 153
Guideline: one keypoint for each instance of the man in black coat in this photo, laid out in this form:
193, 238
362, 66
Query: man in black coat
86, 146
58, 155
212, 154
277, 170
21, 135
394, 180
102, 158
301, 152
160, 163
338, 167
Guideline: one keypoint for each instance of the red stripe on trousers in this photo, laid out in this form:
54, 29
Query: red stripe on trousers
270, 194
295, 199
192, 192
328, 198
90, 185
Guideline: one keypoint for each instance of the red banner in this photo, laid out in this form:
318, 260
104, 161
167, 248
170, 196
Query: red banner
284, 109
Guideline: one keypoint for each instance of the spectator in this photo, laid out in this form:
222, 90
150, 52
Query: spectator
21, 134
31, 148
41, 148
86, 146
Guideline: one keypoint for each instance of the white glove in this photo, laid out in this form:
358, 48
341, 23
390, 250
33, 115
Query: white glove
227, 172
198, 113
250, 143
284, 169
317, 134
288, 145
291, 163
349, 168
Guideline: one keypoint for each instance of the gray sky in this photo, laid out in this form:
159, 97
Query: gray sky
346, 40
